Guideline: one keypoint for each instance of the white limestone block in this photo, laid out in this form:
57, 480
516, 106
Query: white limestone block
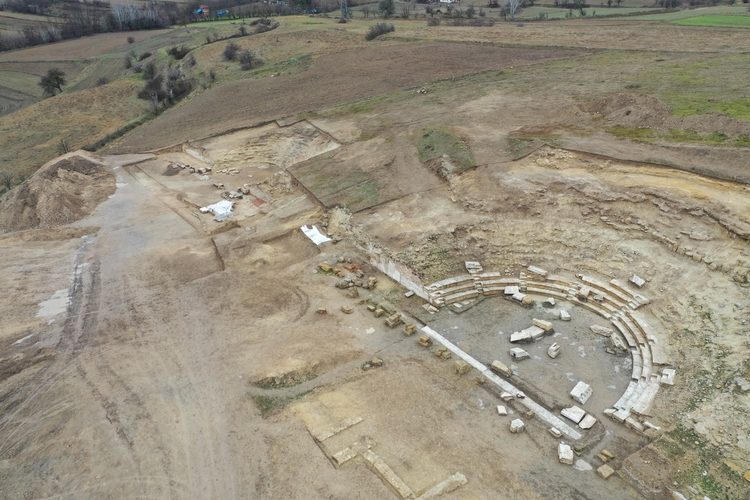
501, 410
581, 392
518, 354
639, 282
516, 426
565, 454
587, 422
667, 376
573, 413
564, 315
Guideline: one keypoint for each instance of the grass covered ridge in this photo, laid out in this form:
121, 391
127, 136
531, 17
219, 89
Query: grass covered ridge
675, 135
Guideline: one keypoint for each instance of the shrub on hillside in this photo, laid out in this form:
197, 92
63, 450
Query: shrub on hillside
379, 29
230, 51
178, 52
143, 56
433, 21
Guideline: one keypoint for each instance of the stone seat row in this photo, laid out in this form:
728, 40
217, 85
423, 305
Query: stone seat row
617, 304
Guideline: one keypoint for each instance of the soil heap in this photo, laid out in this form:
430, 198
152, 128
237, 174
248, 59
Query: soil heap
61, 192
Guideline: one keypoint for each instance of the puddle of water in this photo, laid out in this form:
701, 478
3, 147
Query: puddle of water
582, 465
57, 304
21, 341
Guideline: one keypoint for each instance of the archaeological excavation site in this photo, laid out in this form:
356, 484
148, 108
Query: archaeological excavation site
459, 282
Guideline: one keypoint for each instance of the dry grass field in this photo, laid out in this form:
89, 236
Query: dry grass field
150, 350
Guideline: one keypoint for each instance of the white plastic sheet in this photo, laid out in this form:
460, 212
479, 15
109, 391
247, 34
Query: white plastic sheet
222, 210
316, 236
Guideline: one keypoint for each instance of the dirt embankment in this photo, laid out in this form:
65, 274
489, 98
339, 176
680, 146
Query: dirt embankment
640, 111
65, 190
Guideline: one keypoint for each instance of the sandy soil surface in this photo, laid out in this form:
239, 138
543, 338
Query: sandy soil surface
152, 351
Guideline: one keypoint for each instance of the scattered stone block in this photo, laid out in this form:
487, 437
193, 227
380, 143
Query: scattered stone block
518, 354
347, 309
430, 308
554, 432
377, 362
325, 267
603, 458
564, 315
379, 312
667, 376
371, 308
581, 392
605, 471
579, 448
587, 422
608, 453
520, 395
473, 267
537, 270
618, 344
511, 290
442, 352
322, 310
409, 294
565, 454
394, 320
461, 367
742, 384
523, 336
574, 413
554, 350
527, 301
425, 340
502, 369
651, 426
601, 330
517, 426
637, 281
583, 293
506, 396
501, 410
410, 329
519, 296
352, 293
598, 298
549, 303
747, 476
545, 325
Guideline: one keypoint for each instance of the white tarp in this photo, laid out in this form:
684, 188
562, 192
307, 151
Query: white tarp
222, 210
316, 236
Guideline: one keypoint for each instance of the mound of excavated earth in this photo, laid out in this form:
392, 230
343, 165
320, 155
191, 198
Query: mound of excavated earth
63, 191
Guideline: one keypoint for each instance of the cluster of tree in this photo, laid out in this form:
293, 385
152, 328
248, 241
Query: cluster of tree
74, 20
247, 58
164, 91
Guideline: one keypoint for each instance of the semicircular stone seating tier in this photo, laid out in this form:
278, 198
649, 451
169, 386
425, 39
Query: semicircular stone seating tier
613, 301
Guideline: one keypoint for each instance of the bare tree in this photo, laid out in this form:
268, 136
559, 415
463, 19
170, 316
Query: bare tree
406, 9
6, 180
513, 7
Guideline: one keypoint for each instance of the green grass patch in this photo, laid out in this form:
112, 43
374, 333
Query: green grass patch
685, 14
716, 21
286, 380
434, 142
676, 135
267, 405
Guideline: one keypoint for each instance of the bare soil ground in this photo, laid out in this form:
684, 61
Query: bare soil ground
80, 48
151, 351
355, 75
601, 34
